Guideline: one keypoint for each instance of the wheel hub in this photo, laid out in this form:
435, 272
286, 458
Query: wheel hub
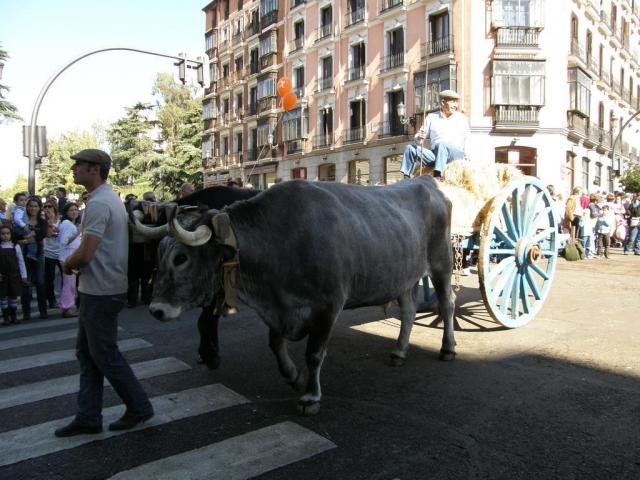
527, 253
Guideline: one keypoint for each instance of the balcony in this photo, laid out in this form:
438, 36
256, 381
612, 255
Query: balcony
577, 52
395, 60
269, 19
267, 60
296, 3
323, 141
253, 109
393, 129
299, 91
516, 117
254, 68
254, 27
356, 73
353, 17
325, 31
605, 24
236, 39
389, 4
238, 115
294, 146
251, 155
354, 135
236, 159
210, 42
266, 104
325, 84
518, 37
297, 44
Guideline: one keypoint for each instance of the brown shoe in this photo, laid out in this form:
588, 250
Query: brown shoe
69, 313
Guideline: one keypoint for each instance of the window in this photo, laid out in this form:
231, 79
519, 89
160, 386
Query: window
517, 13
237, 145
299, 173
439, 33
267, 45
518, 82
585, 174
266, 87
358, 172
208, 110
224, 146
568, 171
392, 172
327, 172
442, 78
597, 178
294, 124
263, 132
298, 81
268, 6
524, 158
579, 92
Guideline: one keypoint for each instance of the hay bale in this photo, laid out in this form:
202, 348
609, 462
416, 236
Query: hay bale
471, 187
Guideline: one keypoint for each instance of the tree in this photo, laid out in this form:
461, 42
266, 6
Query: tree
8, 111
55, 170
20, 185
631, 180
131, 145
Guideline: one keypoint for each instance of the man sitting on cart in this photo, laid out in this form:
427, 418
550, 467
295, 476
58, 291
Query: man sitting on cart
448, 130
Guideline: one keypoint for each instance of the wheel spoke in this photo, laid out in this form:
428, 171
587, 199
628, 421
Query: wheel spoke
532, 226
538, 237
500, 235
508, 219
515, 296
501, 267
506, 291
532, 213
539, 271
524, 221
517, 212
524, 295
532, 285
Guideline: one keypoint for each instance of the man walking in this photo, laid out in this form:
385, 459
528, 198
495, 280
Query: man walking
448, 130
101, 259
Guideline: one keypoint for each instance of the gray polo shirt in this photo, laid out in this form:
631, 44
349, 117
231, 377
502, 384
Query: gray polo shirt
106, 218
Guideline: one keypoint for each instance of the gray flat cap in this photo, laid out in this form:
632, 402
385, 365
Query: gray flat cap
93, 155
449, 94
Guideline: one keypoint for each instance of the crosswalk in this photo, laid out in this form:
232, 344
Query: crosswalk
237, 457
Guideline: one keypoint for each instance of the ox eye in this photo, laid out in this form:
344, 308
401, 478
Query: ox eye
179, 259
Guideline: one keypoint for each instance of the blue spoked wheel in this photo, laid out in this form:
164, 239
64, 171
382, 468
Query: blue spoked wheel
518, 252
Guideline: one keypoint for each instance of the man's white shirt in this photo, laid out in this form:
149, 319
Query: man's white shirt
453, 130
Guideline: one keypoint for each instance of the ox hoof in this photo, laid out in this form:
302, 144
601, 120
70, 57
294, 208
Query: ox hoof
447, 356
395, 360
308, 409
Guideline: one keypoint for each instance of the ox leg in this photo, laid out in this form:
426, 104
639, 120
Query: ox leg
309, 403
208, 329
446, 301
288, 369
407, 317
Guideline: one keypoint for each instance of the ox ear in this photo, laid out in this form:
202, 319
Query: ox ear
223, 231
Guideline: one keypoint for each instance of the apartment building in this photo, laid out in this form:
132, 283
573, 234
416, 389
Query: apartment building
546, 85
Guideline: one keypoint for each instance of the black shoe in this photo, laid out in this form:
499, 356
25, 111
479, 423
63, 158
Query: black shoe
128, 421
77, 428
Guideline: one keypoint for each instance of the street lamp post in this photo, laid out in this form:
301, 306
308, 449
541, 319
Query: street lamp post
617, 140
182, 60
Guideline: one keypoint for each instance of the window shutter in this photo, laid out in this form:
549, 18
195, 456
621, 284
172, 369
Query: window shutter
497, 17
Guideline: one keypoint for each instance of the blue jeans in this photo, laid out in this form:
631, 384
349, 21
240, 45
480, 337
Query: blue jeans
99, 357
438, 158
35, 278
634, 238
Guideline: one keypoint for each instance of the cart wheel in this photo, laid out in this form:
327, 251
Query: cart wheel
518, 252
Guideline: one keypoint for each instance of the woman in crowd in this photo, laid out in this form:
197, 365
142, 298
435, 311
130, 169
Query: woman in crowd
33, 244
51, 250
69, 237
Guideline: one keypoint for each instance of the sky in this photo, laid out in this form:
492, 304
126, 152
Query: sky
41, 36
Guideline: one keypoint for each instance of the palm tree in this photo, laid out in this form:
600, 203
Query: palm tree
8, 110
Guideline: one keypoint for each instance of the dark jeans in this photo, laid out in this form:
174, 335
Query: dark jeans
50, 266
140, 274
99, 357
35, 277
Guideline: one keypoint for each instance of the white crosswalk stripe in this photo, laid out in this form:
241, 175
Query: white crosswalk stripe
38, 440
21, 327
238, 458
33, 392
37, 339
61, 356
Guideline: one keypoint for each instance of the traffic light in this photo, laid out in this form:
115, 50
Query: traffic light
182, 71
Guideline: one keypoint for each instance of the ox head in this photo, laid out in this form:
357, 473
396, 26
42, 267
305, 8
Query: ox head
190, 257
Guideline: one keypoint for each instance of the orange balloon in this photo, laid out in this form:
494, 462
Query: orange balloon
289, 101
284, 86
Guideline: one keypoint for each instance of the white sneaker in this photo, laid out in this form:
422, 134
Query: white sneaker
465, 272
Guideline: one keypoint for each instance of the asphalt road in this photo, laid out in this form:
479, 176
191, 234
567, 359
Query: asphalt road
557, 398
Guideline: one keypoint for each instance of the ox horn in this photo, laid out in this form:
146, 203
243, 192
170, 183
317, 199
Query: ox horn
199, 236
150, 233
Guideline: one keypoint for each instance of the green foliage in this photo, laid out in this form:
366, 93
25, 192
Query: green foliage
20, 185
55, 170
631, 180
8, 111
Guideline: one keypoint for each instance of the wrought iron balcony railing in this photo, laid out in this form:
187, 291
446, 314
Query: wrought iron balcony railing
324, 31
395, 60
354, 16
393, 129
323, 140
389, 4
517, 37
516, 115
353, 135
356, 73
297, 44
325, 84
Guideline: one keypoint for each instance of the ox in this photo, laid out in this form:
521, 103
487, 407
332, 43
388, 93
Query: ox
305, 251
212, 197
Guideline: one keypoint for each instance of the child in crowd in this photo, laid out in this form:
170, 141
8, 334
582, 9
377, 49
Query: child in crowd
606, 223
13, 274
